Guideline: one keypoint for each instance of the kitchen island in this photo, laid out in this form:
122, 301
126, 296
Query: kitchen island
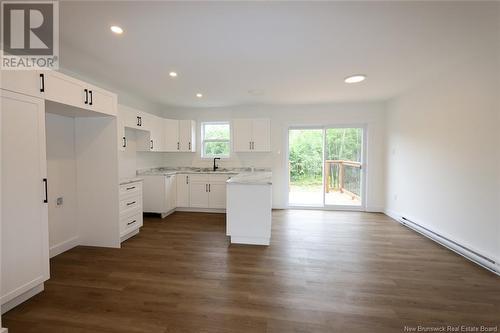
248, 208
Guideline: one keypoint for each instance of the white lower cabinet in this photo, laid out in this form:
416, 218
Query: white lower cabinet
208, 191
198, 194
24, 213
160, 193
130, 209
183, 190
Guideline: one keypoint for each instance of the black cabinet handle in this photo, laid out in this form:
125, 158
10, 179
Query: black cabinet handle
189, 145
42, 82
124, 142
131, 203
208, 187
132, 222
130, 188
86, 96
187, 179
152, 144
46, 193
138, 123
178, 146
90, 92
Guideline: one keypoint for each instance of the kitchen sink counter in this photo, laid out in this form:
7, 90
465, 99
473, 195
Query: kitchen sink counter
191, 170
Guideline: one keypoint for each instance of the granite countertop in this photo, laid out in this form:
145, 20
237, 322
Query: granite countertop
257, 176
252, 178
124, 181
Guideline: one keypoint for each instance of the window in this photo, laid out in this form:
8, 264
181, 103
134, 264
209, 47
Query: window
215, 139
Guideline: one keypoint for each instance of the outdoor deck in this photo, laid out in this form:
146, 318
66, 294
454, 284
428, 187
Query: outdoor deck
313, 196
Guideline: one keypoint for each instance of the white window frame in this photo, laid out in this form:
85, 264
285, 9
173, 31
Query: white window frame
203, 140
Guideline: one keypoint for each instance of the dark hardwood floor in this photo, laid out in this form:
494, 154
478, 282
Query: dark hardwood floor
324, 272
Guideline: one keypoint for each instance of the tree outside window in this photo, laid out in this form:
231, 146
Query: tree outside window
215, 139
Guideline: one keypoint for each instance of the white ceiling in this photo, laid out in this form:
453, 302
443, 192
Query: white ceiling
295, 52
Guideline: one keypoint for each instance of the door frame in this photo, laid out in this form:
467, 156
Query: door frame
364, 168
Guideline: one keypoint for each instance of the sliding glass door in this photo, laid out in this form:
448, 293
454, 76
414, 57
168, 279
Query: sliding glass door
326, 167
305, 164
343, 166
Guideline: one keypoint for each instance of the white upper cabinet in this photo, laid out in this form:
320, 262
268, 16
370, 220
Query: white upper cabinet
156, 133
60, 88
261, 135
30, 83
122, 140
171, 127
157, 137
180, 135
64, 89
101, 100
187, 135
252, 135
242, 135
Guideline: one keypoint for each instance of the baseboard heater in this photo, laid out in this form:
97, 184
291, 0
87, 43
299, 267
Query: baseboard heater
464, 251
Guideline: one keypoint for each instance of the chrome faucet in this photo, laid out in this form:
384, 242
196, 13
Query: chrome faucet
215, 165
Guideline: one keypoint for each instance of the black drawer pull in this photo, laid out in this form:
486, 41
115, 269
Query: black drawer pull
42, 83
132, 222
131, 203
130, 188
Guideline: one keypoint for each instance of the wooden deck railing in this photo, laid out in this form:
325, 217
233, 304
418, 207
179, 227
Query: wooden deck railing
341, 172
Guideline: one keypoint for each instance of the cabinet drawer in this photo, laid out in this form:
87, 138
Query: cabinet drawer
130, 204
130, 223
130, 189
198, 177
218, 178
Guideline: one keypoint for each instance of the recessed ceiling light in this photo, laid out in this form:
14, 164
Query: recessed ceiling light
173, 74
199, 95
355, 78
116, 29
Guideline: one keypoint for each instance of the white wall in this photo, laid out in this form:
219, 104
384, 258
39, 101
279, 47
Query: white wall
370, 114
61, 173
443, 154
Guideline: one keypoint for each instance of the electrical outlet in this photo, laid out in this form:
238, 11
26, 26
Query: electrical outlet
59, 201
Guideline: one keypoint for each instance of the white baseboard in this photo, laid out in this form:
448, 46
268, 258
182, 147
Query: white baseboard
200, 210
250, 240
64, 246
484, 260
129, 235
21, 298
374, 209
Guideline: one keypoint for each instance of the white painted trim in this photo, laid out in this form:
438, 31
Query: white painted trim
64, 246
249, 240
129, 235
374, 209
200, 210
4, 330
22, 298
464, 250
